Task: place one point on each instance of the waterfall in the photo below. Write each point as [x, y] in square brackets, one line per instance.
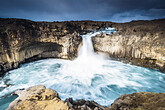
[88, 63]
[87, 47]
[90, 76]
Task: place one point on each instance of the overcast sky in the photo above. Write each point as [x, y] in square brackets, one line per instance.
[99, 10]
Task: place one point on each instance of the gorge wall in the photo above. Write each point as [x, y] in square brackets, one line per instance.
[24, 40]
[139, 42]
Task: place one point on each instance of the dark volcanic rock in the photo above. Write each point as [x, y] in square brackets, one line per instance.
[84, 105]
[139, 42]
[41, 98]
[24, 40]
[140, 101]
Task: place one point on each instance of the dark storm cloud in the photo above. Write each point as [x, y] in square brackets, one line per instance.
[109, 10]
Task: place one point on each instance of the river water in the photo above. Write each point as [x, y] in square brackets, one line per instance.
[90, 76]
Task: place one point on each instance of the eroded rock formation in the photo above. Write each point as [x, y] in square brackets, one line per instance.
[40, 98]
[140, 101]
[24, 40]
[139, 42]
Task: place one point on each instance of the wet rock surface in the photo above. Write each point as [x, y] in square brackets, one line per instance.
[84, 105]
[22, 40]
[138, 42]
[140, 101]
[41, 98]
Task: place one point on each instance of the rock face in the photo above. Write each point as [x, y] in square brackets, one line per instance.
[140, 101]
[140, 42]
[84, 105]
[40, 98]
[24, 40]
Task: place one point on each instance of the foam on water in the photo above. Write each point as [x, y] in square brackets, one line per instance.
[90, 76]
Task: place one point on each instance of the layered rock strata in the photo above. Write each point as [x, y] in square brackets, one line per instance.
[140, 101]
[24, 40]
[139, 42]
[40, 98]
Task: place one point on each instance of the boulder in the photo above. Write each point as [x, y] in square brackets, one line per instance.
[38, 98]
[140, 101]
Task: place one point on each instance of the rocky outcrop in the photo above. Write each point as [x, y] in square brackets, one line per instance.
[24, 40]
[40, 98]
[84, 105]
[140, 101]
[139, 42]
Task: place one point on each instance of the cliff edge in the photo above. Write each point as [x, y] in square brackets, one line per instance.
[23, 40]
[40, 98]
[138, 42]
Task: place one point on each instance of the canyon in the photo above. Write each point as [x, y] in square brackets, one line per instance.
[138, 42]
[23, 40]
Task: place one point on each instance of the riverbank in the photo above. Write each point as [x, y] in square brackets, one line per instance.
[40, 98]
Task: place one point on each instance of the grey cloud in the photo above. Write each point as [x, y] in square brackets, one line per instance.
[102, 10]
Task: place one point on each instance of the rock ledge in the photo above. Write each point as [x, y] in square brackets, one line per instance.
[40, 98]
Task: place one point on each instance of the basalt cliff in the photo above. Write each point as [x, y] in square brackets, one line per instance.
[24, 40]
[138, 42]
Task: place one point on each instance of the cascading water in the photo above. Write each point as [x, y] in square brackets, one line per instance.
[90, 77]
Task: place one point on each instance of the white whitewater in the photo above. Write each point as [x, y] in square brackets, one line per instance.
[87, 64]
[90, 76]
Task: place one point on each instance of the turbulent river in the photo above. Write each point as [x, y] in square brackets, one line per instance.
[90, 76]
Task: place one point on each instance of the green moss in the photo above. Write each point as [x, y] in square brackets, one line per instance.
[73, 56]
